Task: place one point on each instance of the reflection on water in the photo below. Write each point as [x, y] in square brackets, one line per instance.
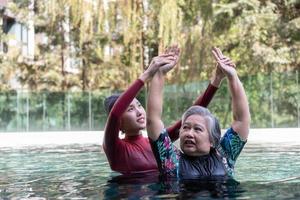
[82, 172]
[152, 186]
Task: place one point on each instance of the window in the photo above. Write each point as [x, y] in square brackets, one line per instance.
[20, 31]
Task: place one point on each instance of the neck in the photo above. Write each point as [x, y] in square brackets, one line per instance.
[130, 134]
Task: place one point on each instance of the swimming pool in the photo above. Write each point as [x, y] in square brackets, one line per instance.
[263, 171]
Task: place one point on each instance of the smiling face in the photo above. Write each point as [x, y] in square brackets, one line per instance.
[194, 136]
[133, 119]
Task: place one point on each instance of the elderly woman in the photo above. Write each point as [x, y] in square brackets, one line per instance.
[203, 152]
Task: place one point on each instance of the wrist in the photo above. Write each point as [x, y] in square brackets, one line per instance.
[232, 77]
[145, 77]
[216, 81]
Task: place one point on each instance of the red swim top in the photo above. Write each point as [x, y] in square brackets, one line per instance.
[134, 154]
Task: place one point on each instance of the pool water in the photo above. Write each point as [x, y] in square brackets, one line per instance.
[268, 171]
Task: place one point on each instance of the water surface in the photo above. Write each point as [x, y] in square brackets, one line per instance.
[268, 171]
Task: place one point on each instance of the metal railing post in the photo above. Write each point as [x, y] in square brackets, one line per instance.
[90, 111]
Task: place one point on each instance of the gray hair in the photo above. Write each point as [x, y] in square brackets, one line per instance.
[212, 122]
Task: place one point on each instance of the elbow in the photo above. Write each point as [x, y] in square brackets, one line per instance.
[248, 122]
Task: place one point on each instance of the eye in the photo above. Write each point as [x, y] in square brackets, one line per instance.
[198, 129]
[185, 127]
[130, 109]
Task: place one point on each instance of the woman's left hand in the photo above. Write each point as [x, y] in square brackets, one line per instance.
[175, 51]
[225, 65]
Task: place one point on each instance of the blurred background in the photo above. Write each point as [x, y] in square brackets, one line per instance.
[59, 59]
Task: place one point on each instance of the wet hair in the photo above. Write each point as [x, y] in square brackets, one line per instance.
[212, 122]
[109, 102]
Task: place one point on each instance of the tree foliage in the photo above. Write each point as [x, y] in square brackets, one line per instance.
[102, 45]
[110, 42]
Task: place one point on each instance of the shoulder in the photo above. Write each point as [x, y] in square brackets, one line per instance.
[164, 135]
[231, 146]
[231, 134]
[163, 142]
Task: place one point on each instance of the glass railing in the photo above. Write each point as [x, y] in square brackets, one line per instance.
[274, 102]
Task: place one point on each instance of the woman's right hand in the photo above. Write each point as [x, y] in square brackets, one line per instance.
[166, 61]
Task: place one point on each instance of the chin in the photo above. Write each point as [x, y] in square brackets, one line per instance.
[188, 151]
[191, 152]
[142, 127]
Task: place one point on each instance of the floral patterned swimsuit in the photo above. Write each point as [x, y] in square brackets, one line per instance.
[219, 162]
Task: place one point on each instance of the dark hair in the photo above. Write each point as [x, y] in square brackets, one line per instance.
[109, 102]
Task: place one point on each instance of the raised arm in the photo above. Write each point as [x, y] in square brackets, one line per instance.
[112, 128]
[154, 106]
[155, 98]
[240, 107]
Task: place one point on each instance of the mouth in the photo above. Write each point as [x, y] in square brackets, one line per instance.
[141, 120]
[189, 143]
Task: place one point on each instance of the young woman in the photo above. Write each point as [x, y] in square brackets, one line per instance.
[133, 154]
[203, 153]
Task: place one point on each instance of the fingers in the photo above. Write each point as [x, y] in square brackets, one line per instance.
[218, 53]
[167, 67]
[163, 59]
[160, 63]
[227, 61]
[215, 55]
[166, 61]
[171, 53]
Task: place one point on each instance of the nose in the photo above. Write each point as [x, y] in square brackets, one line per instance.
[138, 112]
[189, 133]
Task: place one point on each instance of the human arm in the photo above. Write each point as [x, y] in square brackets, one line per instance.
[111, 141]
[154, 106]
[155, 98]
[240, 107]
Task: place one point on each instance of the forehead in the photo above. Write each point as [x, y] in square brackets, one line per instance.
[195, 119]
[134, 102]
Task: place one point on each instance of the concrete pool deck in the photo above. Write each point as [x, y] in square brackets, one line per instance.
[23, 139]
